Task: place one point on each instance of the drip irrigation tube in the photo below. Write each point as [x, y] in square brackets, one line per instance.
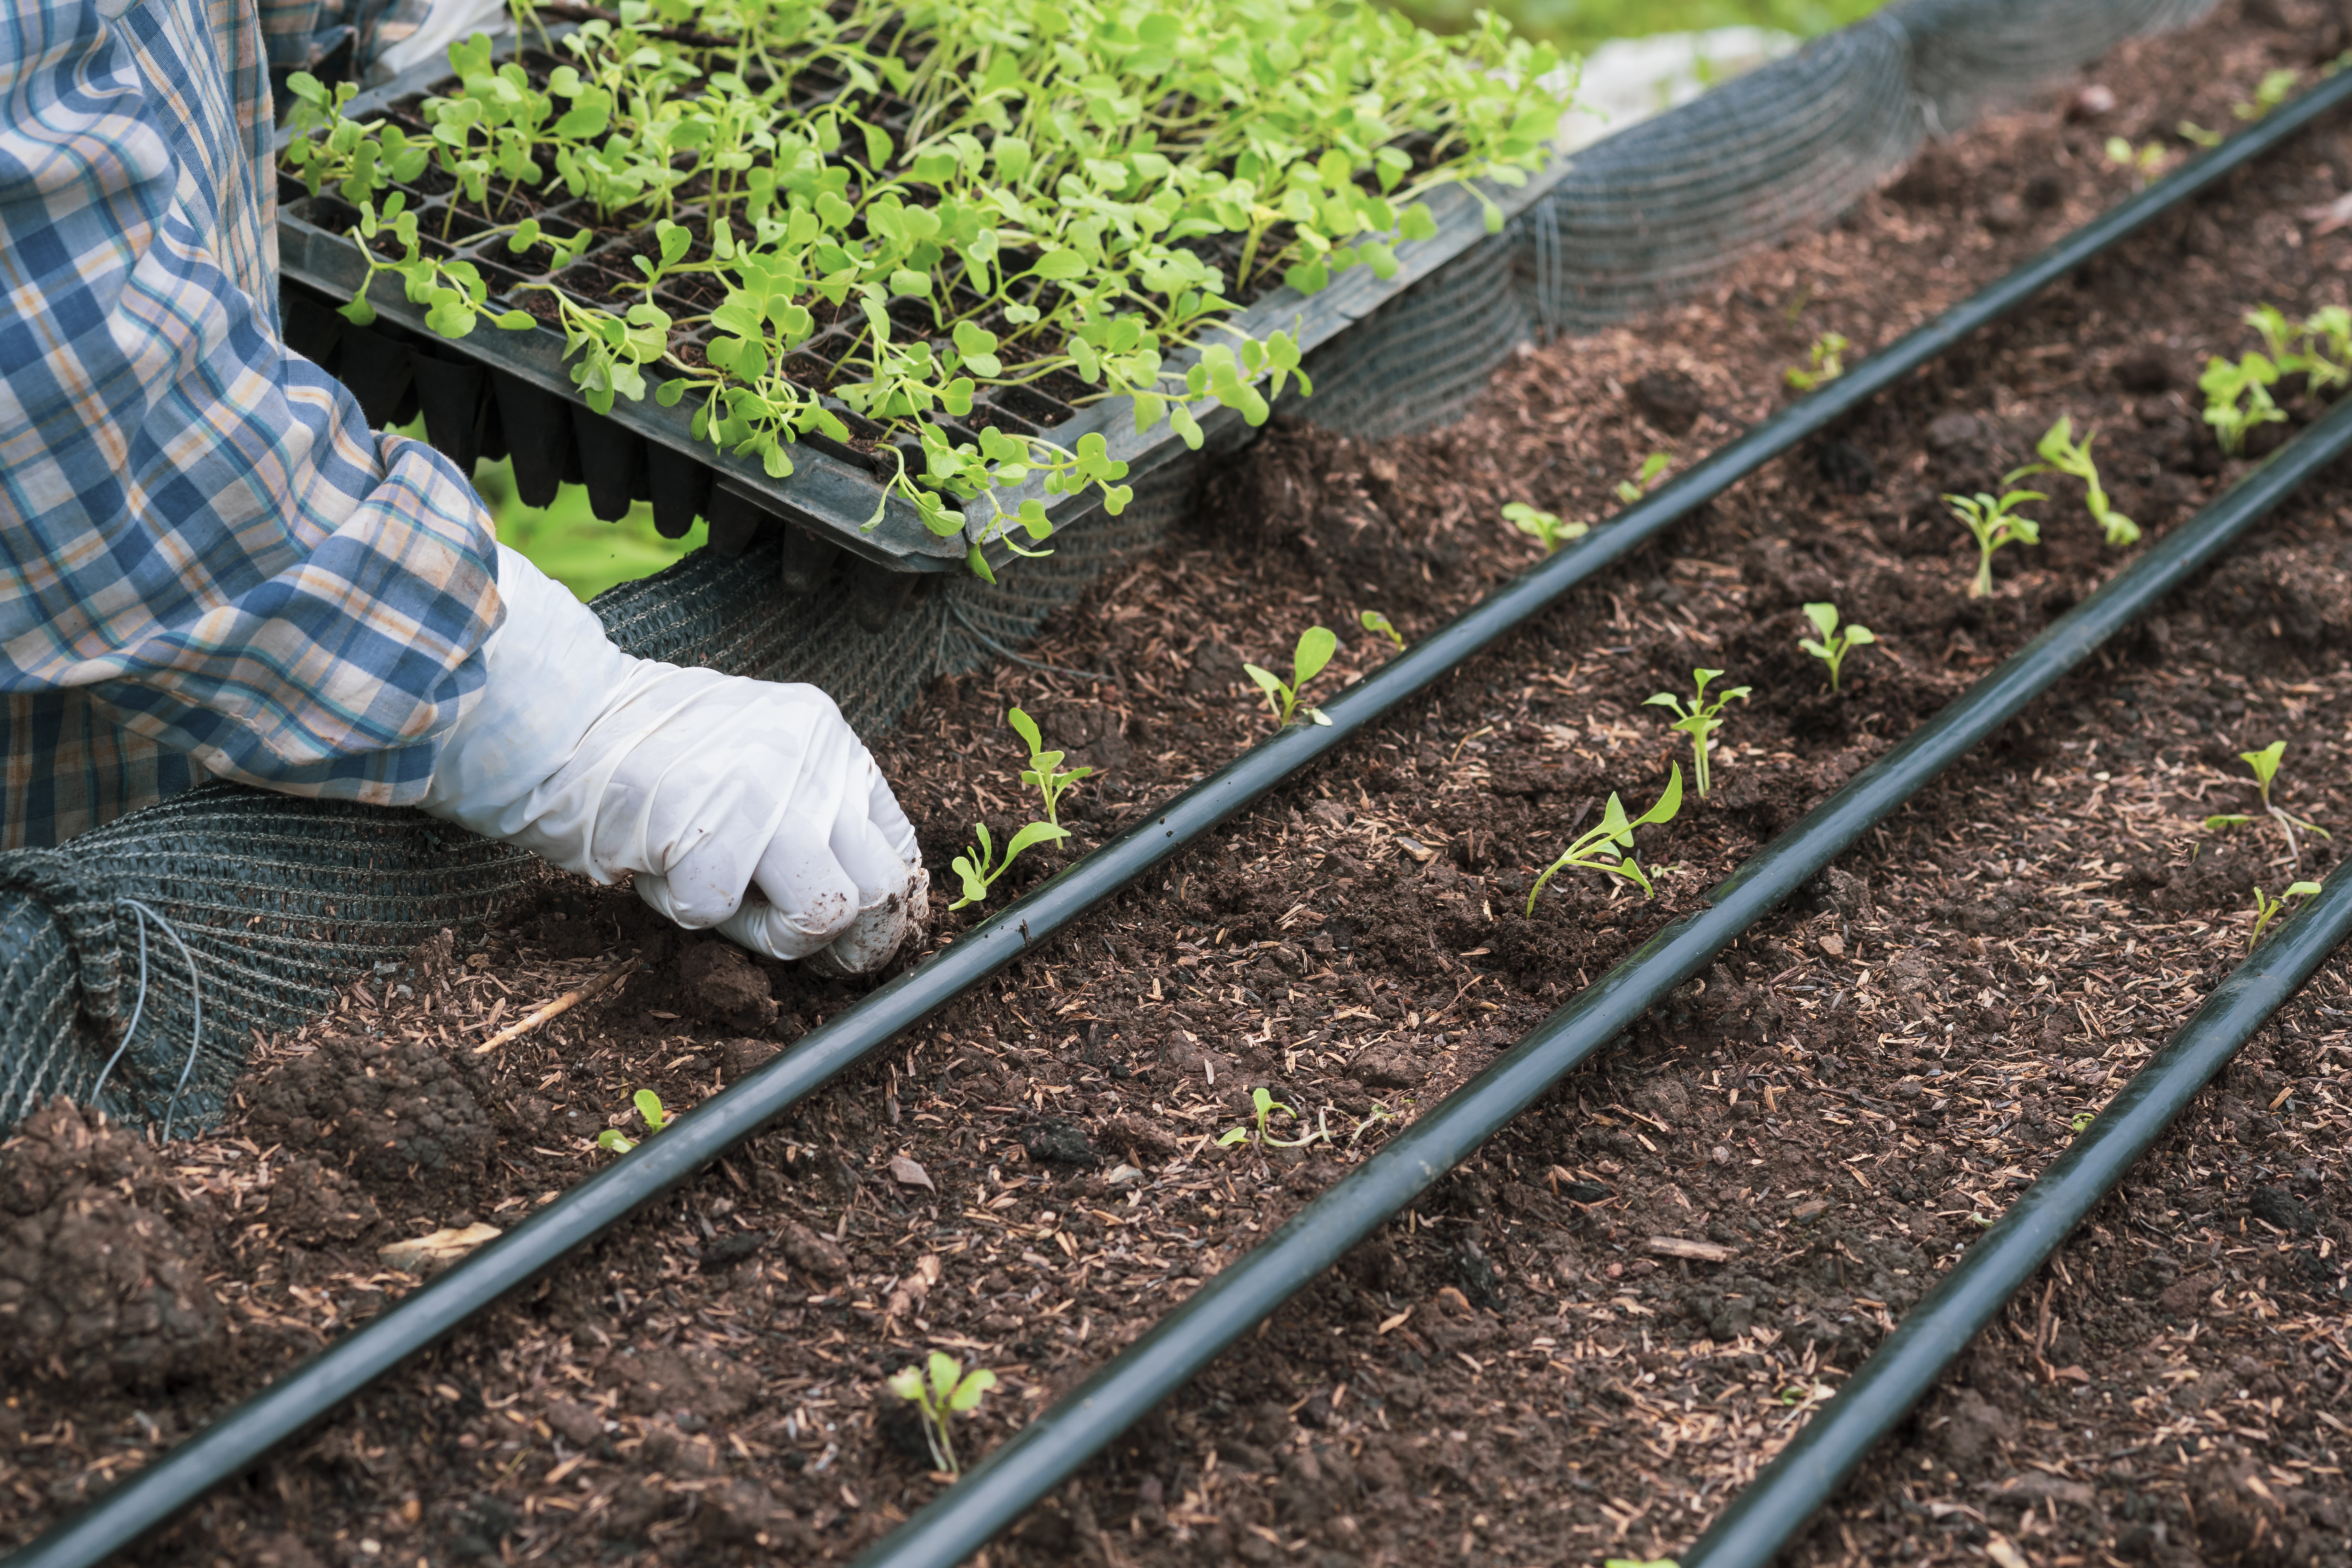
[152, 1497]
[1050, 1447]
[1776, 1504]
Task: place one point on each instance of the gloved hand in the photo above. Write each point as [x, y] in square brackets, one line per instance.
[744, 804]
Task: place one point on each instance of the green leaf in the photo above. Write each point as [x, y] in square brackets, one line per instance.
[1824, 618]
[1032, 835]
[1060, 265]
[1316, 647]
[944, 1372]
[649, 1106]
[877, 147]
[976, 1383]
[1026, 728]
[1669, 803]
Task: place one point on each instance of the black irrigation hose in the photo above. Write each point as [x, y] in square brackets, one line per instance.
[154, 1496]
[1777, 1503]
[1053, 1446]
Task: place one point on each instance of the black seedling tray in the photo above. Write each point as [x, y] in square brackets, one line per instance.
[508, 394]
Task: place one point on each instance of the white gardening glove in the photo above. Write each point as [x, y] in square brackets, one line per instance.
[744, 804]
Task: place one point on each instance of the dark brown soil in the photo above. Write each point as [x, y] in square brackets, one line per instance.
[1522, 1369]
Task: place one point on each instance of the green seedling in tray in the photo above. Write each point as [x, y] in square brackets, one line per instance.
[1993, 522]
[2265, 765]
[1826, 360]
[941, 1390]
[2267, 908]
[1699, 718]
[972, 195]
[650, 1111]
[1316, 647]
[1833, 645]
[1545, 528]
[2062, 453]
[1609, 847]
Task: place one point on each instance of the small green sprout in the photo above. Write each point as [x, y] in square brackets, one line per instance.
[1633, 490]
[1379, 625]
[2266, 908]
[1263, 1105]
[2329, 362]
[1699, 718]
[938, 1391]
[2081, 1120]
[1994, 521]
[1634, 1563]
[1608, 847]
[978, 869]
[1834, 645]
[2062, 453]
[1544, 527]
[1374, 1118]
[2196, 135]
[1044, 773]
[1316, 647]
[649, 1110]
[2146, 161]
[2224, 385]
[2272, 92]
[1827, 357]
[2265, 764]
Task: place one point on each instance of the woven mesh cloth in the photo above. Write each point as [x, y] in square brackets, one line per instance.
[276, 901]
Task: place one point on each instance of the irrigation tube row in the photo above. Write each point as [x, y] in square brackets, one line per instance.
[234, 1444]
[1049, 1449]
[1778, 1502]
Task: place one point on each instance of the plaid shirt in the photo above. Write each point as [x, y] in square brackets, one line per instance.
[208, 564]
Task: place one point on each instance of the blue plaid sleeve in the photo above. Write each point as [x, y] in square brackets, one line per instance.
[205, 553]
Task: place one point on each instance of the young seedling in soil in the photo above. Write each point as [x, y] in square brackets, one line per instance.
[1834, 645]
[2267, 908]
[1699, 718]
[2238, 398]
[940, 1390]
[1827, 359]
[1263, 1105]
[1544, 527]
[1994, 521]
[2196, 135]
[1609, 847]
[2265, 764]
[2272, 92]
[2145, 162]
[1044, 773]
[2062, 453]
[649, 1111]
[1380, 625]
[1633, 490]
[1316, 647]
[978, 869]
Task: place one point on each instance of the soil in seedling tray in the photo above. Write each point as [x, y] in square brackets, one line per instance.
[1583, 1343]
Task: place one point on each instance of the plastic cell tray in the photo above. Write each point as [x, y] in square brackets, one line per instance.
[509, 394]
